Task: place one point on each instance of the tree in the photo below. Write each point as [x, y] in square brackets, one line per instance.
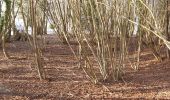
[167, 24]
[5, 27]
[37, 51]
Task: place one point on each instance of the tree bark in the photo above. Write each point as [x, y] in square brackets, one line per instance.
[167, 25]
[37, 51]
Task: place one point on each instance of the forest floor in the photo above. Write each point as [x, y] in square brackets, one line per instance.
[19, 79]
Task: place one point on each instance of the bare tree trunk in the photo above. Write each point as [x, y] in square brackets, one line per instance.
[3, 46]
[13, 18]
[44, 18]
[6, 27]
[0, 7]
[37, 51]
[167, 25]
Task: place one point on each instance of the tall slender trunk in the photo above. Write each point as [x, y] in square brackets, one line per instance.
[37, 54]
[13, 18]
[6, 26]
[167, 25]
[0, 7]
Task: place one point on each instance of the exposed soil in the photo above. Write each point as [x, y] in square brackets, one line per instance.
[19, 79]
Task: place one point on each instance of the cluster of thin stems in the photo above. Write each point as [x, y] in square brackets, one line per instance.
[106, 27]
[103, 30]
